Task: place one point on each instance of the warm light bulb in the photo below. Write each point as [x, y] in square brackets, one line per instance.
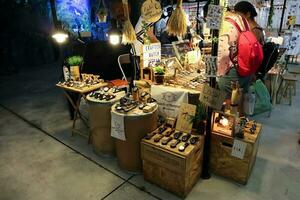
[60, 37]
[114, 39]
[224, 121]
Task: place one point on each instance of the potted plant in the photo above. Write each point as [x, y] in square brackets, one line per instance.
[75, 62]
[199, 120]
[102, 15]
[159, 73]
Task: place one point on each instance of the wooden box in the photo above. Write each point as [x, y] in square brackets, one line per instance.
[171, 169]
[224, 164]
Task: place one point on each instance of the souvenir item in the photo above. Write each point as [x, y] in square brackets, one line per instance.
[173, 145]
[166, 141]
[183, 147]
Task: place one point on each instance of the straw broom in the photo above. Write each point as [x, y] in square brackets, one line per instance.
[129, 35]
[177, 24]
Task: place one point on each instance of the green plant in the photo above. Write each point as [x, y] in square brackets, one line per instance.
[200, 114]
[159, 70]
[75, 61]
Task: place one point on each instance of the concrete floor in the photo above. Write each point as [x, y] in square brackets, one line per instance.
[39, 159]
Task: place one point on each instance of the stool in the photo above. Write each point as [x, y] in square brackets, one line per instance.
[290, 86]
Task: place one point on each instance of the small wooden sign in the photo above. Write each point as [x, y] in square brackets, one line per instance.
[212, 97]
[185, 116]
[151, 11]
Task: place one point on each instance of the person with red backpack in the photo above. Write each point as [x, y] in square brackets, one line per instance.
[240, 53]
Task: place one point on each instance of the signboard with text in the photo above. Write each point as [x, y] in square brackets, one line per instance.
[212, 97]
[151, 54]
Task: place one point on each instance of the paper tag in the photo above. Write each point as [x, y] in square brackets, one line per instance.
[117, 126]
[238, 149]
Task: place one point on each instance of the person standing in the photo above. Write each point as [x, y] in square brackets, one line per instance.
[227, 71]
[247, 10]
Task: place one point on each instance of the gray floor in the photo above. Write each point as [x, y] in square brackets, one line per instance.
[39, 159]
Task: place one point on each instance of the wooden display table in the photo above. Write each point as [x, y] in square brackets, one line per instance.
[100, 124]
[136, 125]
[224, 164]
[170, 168]
[82, 92]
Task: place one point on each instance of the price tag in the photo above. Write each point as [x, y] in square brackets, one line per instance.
[238, 149]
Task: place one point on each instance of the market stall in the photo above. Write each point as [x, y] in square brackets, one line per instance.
[172, 120]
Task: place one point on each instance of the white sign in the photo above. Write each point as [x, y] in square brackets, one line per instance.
[238, 149]
[169, 99]
[293, 47]
[151, 54]
[214, 16]
[117, 126]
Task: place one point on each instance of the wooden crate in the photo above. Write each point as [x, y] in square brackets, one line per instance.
[226, 165]
[171, 169]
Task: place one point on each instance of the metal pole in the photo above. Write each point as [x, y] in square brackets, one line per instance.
[282, 16]
[198, 27]
[212, 83]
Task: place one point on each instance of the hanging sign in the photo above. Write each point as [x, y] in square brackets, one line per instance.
[214, 16]
[151, 11]
[151, 54]
[212, 97]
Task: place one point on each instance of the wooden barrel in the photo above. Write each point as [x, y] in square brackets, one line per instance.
[100, 125]
[136, 127]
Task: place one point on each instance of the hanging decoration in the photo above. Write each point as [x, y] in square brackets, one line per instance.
[177, 24]
[129, 35]
[102, 12]
[151, 11]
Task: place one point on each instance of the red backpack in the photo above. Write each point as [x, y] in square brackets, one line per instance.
[250, 52]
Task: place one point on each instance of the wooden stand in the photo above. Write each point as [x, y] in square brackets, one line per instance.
[82, 92]
[171, 169]
[224, 164]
